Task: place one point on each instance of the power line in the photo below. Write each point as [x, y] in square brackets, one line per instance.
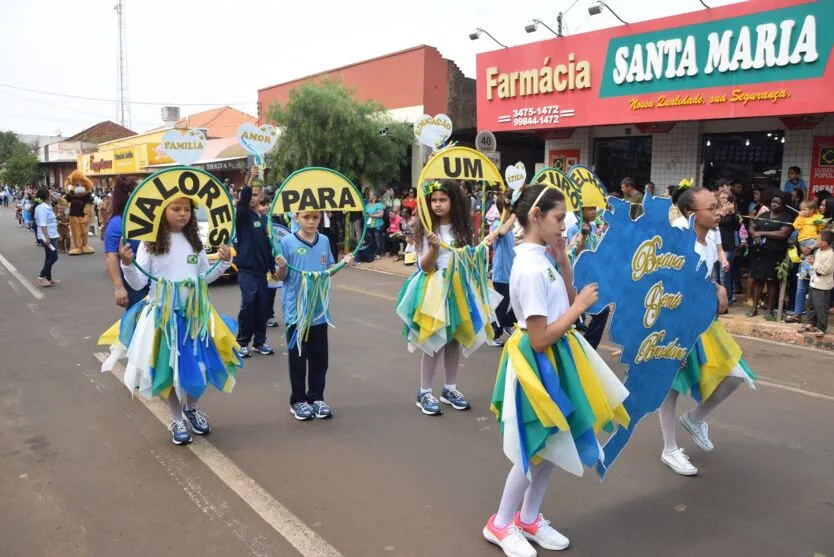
[117, 100]
[62, 107]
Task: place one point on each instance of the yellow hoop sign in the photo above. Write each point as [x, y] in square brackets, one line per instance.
[557, 179]
[460, 163]
[591, 190]
[146, 207]
[317, 189]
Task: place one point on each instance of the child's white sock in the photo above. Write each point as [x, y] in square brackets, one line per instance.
[451, 387]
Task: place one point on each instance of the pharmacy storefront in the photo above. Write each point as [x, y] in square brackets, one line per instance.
[743, 92]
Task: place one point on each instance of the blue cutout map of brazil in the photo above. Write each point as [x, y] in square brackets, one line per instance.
[662, 301]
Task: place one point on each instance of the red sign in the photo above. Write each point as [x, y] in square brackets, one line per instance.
[822, 166]
[563, 159]
[750, 59]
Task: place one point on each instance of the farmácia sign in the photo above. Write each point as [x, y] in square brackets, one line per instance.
[779, 45]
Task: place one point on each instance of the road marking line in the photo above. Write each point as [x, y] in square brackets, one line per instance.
[21, 279]
[796, 390]
[366, 292]
[307, 542]
[14, 286]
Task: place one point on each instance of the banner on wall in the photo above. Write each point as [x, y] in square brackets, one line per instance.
[662, 302]
[562, 159]
[822, 166]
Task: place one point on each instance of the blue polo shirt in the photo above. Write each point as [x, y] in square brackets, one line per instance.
[304, 256]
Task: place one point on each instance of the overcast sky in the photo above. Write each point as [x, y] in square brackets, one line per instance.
[186, 52]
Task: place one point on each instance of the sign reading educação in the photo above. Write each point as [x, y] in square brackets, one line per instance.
[146, 207]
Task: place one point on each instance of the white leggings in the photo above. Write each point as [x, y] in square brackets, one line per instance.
[521, 491]
[175, 406]
[699, 413]
[451, 361]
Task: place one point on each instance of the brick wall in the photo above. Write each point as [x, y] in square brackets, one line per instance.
[461, 98]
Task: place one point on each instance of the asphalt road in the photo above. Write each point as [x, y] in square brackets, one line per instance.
[87, 471]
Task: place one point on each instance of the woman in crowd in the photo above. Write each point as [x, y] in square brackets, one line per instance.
[769, 234]
[124, 294]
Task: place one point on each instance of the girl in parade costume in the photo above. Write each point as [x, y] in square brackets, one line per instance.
[714, 368]
[445, 303]
[553, 393]
[175, 342]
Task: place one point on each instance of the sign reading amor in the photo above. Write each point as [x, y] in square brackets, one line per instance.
[662, 302]
[754, 58]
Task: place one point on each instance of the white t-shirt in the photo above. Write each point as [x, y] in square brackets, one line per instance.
[536, 288]
[445, 233]
[708, 252]
[181, 262]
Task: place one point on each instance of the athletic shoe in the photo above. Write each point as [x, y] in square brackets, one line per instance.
[428, 404]
[179, 433]
[698, 430]
[510, 539]
[197, 420]
[678, 461]
[321, 410]
[497, 342]
[271, 322]
[455, 399]
[244, 352]
[264, 349]
[302, 411]
[542, 533]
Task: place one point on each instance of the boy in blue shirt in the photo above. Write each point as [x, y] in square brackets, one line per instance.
[306, 250]
[254, 261]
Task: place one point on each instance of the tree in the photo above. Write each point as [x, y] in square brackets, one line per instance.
[18, 161]
[323, 125]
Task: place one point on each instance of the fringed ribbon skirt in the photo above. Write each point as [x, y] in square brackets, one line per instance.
[551, 405]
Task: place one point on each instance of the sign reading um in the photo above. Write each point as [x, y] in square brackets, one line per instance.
[460, 163]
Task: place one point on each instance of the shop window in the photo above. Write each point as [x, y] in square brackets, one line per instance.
[755, 159]
[621, 157]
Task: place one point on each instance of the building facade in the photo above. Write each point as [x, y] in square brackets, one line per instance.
[738, 92]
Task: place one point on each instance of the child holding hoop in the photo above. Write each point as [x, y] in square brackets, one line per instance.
[306, 313]
[175, 343]
[553, 393]
[448, 293]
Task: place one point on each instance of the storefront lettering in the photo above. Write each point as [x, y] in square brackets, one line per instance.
[96, 166]
[123, 155]
[539, 81]
[769, 45]
[737, 95]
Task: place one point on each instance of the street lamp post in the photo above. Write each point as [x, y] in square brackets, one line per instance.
[597, 8]
[533, 26]
[476, 34]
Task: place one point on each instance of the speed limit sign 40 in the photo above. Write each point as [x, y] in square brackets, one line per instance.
[485, 142]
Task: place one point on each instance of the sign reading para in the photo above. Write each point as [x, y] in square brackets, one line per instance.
[557, 179]
[663, 301]
[460, 163]
[146, 207]
[317, 189]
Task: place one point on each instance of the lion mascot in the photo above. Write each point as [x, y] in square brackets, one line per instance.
[80, 201]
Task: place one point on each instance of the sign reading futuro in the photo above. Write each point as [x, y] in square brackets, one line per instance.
[662, 301]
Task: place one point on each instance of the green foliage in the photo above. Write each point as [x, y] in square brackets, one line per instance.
[18, 163]
[323, 125]
[782, 270]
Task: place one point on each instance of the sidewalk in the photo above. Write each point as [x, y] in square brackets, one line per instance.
[735, 321]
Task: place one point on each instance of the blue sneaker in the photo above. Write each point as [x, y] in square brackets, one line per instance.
[197, 420]
[244, 352]
[321, 410]
[179, 433]
[455, 399]
[428, 404]
[302, 411]
[264, 349]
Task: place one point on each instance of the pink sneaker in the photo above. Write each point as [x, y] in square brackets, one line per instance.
[509, 538]
[542, 533]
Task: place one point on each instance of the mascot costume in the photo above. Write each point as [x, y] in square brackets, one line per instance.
[80, 202]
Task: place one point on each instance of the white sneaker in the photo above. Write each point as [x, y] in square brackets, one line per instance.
[678, 461]
[510, 539]
[541, 532]
[698, 430]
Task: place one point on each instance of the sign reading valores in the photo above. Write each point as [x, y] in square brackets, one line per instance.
[146, 207]
[317, 189]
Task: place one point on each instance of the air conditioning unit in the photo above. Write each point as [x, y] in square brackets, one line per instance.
[170, 113]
